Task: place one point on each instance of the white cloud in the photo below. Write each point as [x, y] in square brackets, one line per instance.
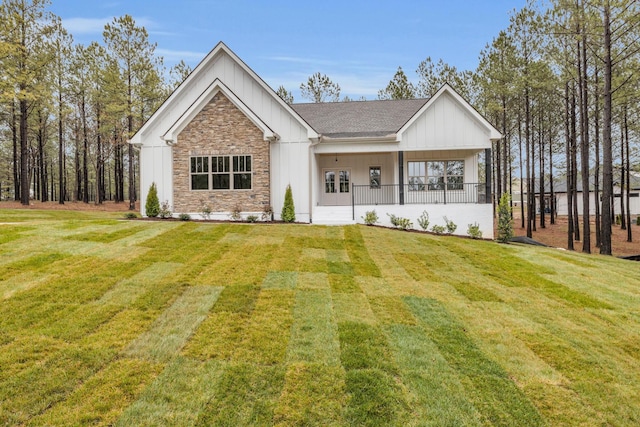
[84, 26]
[177, 55]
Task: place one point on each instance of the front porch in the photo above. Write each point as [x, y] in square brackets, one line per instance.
[463, 204]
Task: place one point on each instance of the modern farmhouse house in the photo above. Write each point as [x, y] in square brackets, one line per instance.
[224, 138]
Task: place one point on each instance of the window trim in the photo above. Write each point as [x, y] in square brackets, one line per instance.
[423, 181]
[379, 185]
[228, 164]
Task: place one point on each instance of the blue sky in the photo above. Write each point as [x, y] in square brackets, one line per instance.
[358, 44]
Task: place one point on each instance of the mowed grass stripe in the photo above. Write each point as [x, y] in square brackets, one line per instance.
[359, 256]
[376, 394]
[490, 389]
[172, 329]
[438, 395]
[314, 334]
[49, 381]
[314, 394]
[176, 397]
[101, 399]
[127, 291]
[246, 395]
[268, 328]
[224, 329]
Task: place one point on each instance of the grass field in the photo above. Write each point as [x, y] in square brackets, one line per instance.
[111, 322]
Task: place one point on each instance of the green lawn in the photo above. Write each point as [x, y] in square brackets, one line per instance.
[105, 321]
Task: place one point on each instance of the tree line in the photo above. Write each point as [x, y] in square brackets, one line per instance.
[67, 109]
[562, 84]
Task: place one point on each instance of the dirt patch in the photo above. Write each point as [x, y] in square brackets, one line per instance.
[71, 206]
[556, 235]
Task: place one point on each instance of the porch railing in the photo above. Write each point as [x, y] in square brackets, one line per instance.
[422, 194]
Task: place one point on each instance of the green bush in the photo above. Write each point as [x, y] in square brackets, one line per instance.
[252, 218]
[473, 231]
[399, 222]
[205, 210]
[638, 220]
[131, 215]
[152, 206]
[438, 229]
[185, 217]
[288, 209]
[165, 210]
[236, 213]
[267, 213]
[423, 221]
[505, 225]
[450, 225]
[370, 217]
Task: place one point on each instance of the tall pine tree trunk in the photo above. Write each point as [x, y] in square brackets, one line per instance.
[567, 125]
[24, 152]
[607, 155]
[584, 144]
[16, 157]
[596, 174]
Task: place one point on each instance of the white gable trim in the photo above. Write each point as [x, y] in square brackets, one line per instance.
[186, 84]
[171, 135]
[494, 134]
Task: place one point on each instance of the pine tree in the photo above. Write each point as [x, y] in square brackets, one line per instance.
[152, 206]
[288, 209]
[505, 226]
[398, 88]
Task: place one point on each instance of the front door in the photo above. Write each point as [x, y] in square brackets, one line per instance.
[337, 187]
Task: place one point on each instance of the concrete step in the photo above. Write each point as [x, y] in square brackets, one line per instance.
[333, 215]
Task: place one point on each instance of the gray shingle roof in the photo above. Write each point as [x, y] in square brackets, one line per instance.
[359, 118]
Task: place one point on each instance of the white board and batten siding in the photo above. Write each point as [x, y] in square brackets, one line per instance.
[445, 124]
[290, 163]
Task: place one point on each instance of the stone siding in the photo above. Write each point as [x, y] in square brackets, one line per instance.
[221, 129]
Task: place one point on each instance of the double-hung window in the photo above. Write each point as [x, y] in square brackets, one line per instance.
[220, 175]
[200, 173]
[221, 172]
[242, 172]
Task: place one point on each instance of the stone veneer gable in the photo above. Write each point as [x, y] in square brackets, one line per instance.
[220, 128]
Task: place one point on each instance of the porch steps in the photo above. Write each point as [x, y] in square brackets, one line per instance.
[333, 215]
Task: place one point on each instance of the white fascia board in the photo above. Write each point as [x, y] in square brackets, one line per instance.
[311, 133]
[187, 83]
[494, 134]
[360, 145]
[214, 88]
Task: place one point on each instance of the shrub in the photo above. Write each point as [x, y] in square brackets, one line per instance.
[152, 206]
[638, 220]
[288, 209]
[185, 217]
[451, 226]
[370, 217]
[438, 229]
[131, 215]
[205, 209]
[267, 213]
[165, 210]
[505, 225]
[399, 222]
[252, 218]
[423, 221]
[473, 231]
[236, 213]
